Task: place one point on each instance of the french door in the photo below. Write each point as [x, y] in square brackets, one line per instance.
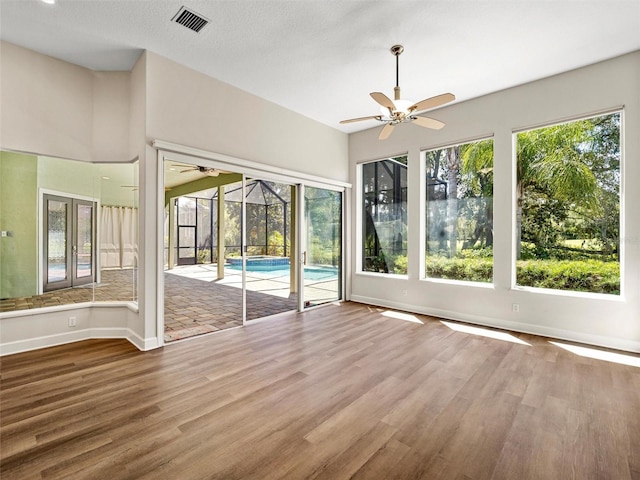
[69, 238]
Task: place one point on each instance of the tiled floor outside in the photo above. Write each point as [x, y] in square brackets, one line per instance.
[195, 301]
[115, 285]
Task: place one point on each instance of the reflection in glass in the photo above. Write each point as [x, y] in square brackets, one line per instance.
[459, 223]
[56, 241]
[384, 219]
[84, 241]
[88, 254]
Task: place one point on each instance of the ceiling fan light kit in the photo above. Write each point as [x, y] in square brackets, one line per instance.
[402, 110]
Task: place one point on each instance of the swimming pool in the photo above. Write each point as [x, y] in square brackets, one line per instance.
[259, 261]
[280, 270]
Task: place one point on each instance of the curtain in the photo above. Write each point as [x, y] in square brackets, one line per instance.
[118, 237]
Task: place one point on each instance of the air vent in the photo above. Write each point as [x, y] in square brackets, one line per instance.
[190, 19]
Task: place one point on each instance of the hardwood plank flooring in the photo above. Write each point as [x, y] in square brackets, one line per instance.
[337, 392]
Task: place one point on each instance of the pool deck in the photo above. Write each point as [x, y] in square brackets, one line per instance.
[197, 302]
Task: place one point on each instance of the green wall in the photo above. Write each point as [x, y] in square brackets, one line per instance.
[68, 176]
[18, 207]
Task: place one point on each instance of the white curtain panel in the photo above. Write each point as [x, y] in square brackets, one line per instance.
[129, 237]
[118, 237]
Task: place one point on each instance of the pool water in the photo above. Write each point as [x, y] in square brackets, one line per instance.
[310, 273]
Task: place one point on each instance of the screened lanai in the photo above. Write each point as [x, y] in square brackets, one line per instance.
[203, 261]
[202, 235]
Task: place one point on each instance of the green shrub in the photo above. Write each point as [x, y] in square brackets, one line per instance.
[399, 264]
[593, 276]
[467, 269]
[486, 252]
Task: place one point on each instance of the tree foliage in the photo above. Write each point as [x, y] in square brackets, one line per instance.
[568, 178]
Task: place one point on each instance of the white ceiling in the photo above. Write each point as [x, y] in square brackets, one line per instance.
[321, 58]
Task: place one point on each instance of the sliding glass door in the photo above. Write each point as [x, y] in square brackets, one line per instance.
[242, 246]
[322, 247]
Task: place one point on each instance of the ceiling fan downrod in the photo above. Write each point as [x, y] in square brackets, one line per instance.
[397, 50]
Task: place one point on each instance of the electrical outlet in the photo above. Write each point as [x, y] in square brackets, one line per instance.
[72, 321]
[515, 307]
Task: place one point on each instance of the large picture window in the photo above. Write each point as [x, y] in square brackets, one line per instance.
[459, 210]
[568, 206]
[384, 216]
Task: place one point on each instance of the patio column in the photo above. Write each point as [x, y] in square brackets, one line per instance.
[220, 232]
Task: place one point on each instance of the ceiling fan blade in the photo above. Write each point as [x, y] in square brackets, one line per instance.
[432, 102]
[213, 173]
[383, 100]
[360, 119]
[188, 170]
[386, 131]
[428, 122]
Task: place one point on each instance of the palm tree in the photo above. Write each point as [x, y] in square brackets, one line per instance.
[550, 160]
[477, 166]
[453, 167]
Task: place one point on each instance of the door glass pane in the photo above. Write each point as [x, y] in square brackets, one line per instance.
[56, 241]
[323, 268]
[84, 241]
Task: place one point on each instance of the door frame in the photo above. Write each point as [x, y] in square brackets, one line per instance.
[41, 264]
[168, 151]
[303, 243]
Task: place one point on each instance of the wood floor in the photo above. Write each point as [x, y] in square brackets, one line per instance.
[338, 392]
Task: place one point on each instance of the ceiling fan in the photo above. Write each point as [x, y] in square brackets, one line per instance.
[209, 171]
[402, 110]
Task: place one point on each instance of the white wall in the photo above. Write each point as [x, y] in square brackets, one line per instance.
[602, 320]
[111, 118]
[189, 108]
[53, 108]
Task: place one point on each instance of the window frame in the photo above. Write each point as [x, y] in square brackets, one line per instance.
[423, 215]
[360, 213]
[620, 110]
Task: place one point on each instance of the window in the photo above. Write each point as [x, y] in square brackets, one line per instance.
[384, 216]
[568, 206]
[459, 211]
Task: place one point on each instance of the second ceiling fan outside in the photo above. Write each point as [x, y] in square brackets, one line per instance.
[401, 110]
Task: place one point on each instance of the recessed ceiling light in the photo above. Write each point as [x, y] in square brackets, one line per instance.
[104, 178]
[50, 2]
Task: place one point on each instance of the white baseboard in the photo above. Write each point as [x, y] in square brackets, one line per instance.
[36, 343]
[544, 331]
